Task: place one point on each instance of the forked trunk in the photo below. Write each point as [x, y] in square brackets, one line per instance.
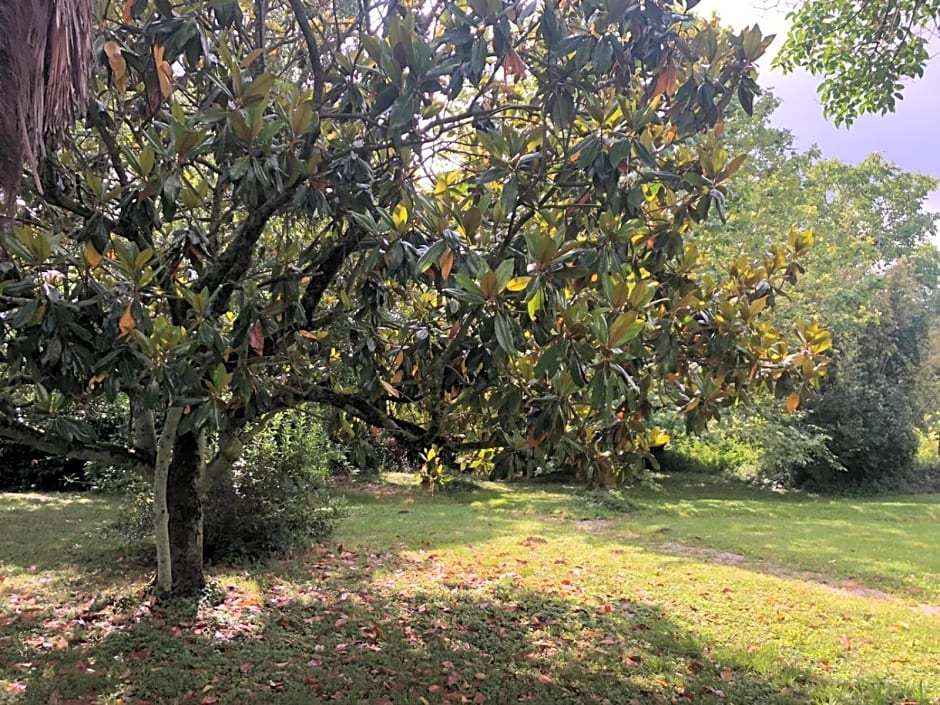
[184, 505]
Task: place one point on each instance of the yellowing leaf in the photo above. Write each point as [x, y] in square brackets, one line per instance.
[127, 322]
[92, 256]
[757, 306]
[518, 283]
[471, 220]
[400, 215]
[793, 401]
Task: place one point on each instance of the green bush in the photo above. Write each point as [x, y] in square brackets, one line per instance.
[870, 424]
[761, 443]
[279, 497]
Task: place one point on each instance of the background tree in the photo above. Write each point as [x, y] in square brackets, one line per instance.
[874, 286]
[464, 224]
[863, 50]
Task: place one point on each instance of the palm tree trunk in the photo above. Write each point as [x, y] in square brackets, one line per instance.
[45, 56]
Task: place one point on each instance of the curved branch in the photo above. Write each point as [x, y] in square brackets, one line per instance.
[313, 50]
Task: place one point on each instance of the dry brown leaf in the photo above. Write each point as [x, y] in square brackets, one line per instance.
[447, 263]
[127, 322]
[665, 81]
[513, 64]
[117, 63]
[164, 71]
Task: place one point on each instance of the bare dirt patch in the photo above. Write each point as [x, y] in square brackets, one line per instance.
[594, 526]
[710, 554]
[844, 587]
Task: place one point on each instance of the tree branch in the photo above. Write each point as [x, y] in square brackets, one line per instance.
[326, 269]
[313, 50]
[364, 410]
[100, 453]
[231, 266]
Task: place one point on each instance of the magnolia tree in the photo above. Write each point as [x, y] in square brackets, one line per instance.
[468, 224]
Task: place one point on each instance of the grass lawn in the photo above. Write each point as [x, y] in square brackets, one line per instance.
[703, 593]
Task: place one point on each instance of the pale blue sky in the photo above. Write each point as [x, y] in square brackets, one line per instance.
[907, 137]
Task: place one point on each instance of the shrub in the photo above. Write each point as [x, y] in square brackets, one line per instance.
[760, 443]
[279, 496]
[870, 424]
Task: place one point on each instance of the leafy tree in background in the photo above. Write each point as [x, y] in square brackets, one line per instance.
[863, 50]
[874, 285]
[462, 223]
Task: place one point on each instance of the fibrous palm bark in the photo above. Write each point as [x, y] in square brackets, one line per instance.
[45, 51]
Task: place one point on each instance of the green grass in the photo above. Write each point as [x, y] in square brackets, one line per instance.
[704, 594]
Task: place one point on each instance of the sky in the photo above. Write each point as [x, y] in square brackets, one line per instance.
[907, 137]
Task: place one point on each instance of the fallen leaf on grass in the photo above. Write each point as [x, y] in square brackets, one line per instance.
[15, 688]
[246, 667]
[632, 660]
[315, 684]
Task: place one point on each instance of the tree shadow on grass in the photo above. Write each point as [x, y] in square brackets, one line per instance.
[351, 632]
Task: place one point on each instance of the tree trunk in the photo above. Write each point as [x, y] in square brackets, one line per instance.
[184, 504]
[161, 513]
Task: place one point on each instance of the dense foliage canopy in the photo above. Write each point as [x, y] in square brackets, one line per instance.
[464, 223]
[874, 286]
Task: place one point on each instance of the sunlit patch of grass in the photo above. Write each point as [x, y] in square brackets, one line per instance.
[506, 594]
[885, 543]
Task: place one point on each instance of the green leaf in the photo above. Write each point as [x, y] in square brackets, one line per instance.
[509, 195]
[624, 329]
[502, 327]
[534, 304]
[403, 110]
[504, 274]
[430, 257]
